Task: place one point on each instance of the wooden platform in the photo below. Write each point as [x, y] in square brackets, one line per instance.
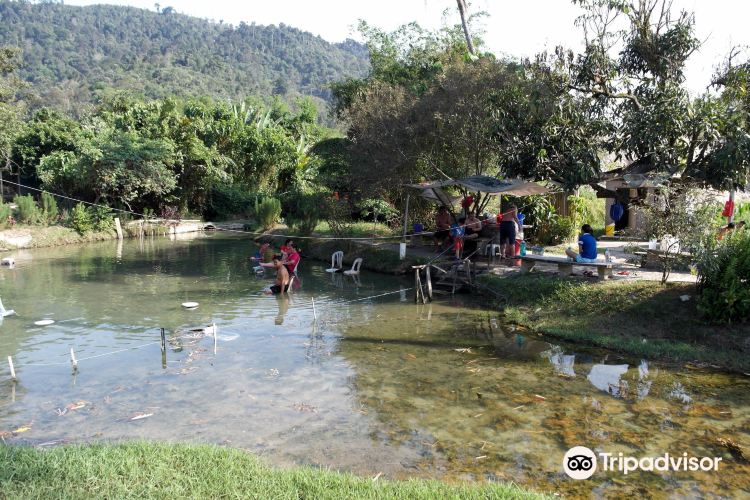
[565, 265]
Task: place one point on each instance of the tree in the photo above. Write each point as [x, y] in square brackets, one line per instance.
[47, 132]
[656, 128]
[9, 111]
[682, 218]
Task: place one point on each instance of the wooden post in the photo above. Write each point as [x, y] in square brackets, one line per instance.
[12, 370]
[118, 228]
[406, 217]
[215, 338]
[428, 278]
[315, 315]
[163, 341]
[730, 219]
[73, 360]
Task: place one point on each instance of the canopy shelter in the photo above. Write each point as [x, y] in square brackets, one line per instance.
[489, 186]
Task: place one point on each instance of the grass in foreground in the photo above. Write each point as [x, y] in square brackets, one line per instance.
[640, 318]
[147, 470]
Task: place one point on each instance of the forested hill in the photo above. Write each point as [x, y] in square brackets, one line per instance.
[72, 53]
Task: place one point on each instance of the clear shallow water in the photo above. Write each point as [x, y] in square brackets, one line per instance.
[379, 386]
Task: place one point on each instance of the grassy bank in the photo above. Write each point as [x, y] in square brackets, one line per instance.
[639, 318]
[148, 470]
[48, 236]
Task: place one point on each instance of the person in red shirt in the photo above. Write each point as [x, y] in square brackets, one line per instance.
[292, 257]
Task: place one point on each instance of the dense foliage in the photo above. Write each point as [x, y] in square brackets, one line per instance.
[72, 55]
[724, 279]
[619, 108]
[136, 154]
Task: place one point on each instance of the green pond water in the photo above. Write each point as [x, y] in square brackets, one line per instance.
[380, 386]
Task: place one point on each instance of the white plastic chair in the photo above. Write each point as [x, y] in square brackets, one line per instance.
[296, 268]
[337, 262]
[354, 271]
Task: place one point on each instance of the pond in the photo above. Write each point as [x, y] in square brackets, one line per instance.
[378, 385]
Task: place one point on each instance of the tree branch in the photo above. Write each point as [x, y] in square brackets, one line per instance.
[597, 92]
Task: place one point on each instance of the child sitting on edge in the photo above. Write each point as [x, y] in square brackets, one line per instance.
[586, 246]
[457, 233]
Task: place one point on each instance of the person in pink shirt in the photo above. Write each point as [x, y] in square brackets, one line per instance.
[292, 257]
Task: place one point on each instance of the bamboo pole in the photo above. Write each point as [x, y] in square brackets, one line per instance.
[73, 360]
[12, 369]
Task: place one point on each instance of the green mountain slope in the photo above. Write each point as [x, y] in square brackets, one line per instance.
[70, 54]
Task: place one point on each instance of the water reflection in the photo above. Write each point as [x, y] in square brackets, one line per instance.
[607, 378]
[563, 363]
[283, 302]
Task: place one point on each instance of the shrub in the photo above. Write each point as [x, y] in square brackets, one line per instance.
[587, 209]
[101, 218]
[28, 211]
[303, 211]
[372, 208]
[227, 201]
[5, 214]
[339, 216]
[683, 217]
[49, 208]
[724, 278]
[268, 212]
[555, 229]
[81, 219]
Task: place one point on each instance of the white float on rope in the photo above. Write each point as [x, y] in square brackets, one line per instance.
[44, 322]
[189, 305]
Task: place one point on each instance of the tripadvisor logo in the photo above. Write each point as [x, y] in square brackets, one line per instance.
[581, 463]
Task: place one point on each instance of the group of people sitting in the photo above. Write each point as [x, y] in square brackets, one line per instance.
[462, 235]
[285, 263]
[724, 231]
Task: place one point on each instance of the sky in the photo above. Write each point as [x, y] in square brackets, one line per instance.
[514, 27]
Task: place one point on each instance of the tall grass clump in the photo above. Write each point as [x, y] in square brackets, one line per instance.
[28, 210]
[5, 213]
[268, 212]
[81, 219]
[304, 212]
[49, 210]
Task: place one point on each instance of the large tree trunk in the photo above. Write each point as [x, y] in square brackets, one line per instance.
[462, 9]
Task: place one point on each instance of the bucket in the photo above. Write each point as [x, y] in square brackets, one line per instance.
[418, 228]
[609, 230]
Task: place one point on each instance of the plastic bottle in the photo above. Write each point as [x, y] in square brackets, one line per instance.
[607, 256]
[523, 248]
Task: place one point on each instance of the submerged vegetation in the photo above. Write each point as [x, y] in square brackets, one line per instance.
[146, 470]
[638, 318]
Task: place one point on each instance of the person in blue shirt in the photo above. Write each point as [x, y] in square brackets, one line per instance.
[586, 246]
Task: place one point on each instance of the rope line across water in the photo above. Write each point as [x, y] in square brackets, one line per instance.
[255, 233]
[234, 325]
